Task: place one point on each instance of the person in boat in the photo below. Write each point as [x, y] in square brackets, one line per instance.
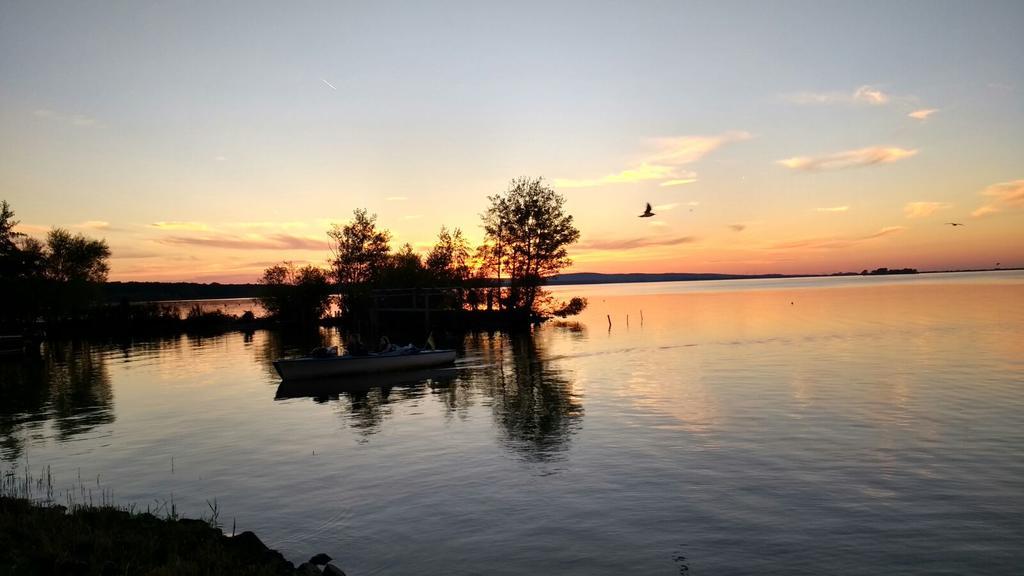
[321, 352]
[354, 346]
[386, 345]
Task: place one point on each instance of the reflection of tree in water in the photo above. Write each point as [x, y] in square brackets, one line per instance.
[532, 400]
[69, 385]
[368, 409]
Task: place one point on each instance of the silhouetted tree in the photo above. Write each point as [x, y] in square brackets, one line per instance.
[448, 260]
[74, 266]
[360, 253]
[8, 236]
[58, 278]
[295, 294]
[359, 248]
[403, 269]
[75, 258]
[527, 234]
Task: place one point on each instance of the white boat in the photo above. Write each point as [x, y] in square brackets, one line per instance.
[316, 367]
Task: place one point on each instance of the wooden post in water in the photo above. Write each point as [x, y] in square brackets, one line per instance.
[609, 322]
[627, 321]
[641, 317]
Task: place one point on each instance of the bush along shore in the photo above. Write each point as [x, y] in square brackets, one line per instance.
[37, 536]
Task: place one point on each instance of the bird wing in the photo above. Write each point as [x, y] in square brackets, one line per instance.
[648, 207]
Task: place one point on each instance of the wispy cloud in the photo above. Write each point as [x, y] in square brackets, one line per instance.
[396, 198]
[73, 119]
[689, 149]
[249, 242]
[678, 181]
[94, 225]
[924, 209]
[923, 114]
[870, 95]
[865, 94]
[666, 207]
[848, 159]
[738, 227]
[832, 209]
[633, 243]
[180, 225]
[640, 173]
[265, 225]
[663, 163]
[836, 243]
[1003, 196]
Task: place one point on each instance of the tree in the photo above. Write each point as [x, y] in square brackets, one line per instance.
[448, 260]
[359, 249]
[75, 258]
[402, 269]
[528, 233]
[295, 294]
[8, 237]
[73, 267]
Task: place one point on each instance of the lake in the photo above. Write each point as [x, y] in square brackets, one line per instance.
[854, 425]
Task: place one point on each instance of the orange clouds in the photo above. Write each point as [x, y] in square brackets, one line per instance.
[1003, 196]
[848, 159]
[176, 225]
[250, 242]
[836, 243]
[632, 243]
[924, 209]
[923, 114]
[664, 163]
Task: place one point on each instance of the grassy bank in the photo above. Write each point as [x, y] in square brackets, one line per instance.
[37, 536]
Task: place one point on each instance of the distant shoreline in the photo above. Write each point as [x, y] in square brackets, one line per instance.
[188, 291]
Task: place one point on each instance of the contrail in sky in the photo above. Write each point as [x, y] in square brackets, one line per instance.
[328, 83]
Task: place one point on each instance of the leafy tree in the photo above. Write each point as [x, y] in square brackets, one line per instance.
[8, 237]
[359, 249]
[448, 260]
[295, 294]
[403, 269]
[73, 267]
[75, 258]
[528, 233]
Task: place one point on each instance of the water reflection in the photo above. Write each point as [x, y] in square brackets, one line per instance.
[531, 399]
[68, 386]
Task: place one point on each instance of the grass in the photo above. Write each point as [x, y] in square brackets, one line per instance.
[90, 535]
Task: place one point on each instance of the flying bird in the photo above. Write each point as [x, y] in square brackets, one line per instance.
[954, 224]
[647, 213]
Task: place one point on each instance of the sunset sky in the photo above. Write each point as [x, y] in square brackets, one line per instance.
[206, 141]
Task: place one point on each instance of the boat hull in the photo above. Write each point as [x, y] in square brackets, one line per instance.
[305, 368]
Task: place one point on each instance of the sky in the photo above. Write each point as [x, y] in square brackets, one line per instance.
[206, 141]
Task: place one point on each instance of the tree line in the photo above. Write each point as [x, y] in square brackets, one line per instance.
[52, 279]
[526, 238]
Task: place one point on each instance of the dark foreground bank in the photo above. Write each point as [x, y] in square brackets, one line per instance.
[45, 539]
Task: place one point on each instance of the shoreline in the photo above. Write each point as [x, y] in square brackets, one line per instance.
[46, 538]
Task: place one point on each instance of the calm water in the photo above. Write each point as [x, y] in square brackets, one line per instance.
[814, 426]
